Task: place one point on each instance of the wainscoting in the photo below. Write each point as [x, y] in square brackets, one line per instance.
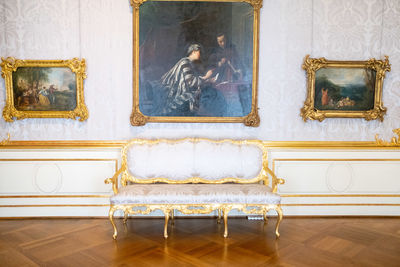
[339, 182]
[322, 178]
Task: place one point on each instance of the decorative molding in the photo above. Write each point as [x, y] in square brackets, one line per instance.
[5, 141]
[271, 145]
[395, 141]
[340, 204]
[137, 3]
[340, 195]
[137, 118]
[253, 119]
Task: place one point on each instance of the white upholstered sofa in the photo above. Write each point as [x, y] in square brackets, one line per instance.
[194, 176]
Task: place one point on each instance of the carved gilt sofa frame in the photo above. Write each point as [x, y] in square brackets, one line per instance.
[127, 179]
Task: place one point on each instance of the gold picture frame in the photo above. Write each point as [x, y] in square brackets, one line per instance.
[156, 51]
[44, 89]
[344, 89]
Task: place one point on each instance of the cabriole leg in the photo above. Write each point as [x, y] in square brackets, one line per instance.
[125, 215]
[280, 215]
[265, 216]
[111, 216]
[172, 217]
[166, 213]
[219, 216]
[225, 223]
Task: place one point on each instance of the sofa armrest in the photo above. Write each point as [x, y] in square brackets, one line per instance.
[114, 180]
[275, 180]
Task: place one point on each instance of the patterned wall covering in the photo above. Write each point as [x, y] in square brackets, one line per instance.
[100, 31]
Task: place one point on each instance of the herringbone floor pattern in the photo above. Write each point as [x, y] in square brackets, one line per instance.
[199, 242]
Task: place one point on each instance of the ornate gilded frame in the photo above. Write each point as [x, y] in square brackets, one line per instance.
[77, 66]
[312, 65]
[252, 119]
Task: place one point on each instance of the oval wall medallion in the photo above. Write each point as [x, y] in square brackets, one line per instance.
[339, 177]
[48, 178]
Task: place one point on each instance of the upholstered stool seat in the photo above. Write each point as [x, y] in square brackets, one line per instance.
[195, 194]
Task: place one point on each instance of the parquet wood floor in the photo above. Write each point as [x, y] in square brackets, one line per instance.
[199, 242]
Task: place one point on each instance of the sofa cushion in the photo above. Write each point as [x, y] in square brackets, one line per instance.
[195, 194]
[186, 159]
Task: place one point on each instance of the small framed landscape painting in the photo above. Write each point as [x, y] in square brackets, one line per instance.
[347, 89]
[44, 89]
[195, 61]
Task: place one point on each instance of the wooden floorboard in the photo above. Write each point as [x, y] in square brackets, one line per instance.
[199, 242]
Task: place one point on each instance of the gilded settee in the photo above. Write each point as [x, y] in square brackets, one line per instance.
[194, 176]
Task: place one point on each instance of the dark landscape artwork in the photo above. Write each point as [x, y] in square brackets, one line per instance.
[345, 89]
[44, 89]
[195, 59]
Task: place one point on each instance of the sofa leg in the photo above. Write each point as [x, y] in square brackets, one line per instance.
[166, 213]
[111, 216]
[125, 216]
[265, 217]
[172, 217]
[225, 224]
[219, 216]
[280, 215]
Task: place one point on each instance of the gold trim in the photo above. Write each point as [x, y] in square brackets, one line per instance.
[340, 195]
[395, 141]
[324, 145]
[10, 65]
[54, 205]
[44, 144]
[333, 159]
[5, 141]
[252, 119]
[55, 196]
[270, 145]
[311, 65]
[341, 204]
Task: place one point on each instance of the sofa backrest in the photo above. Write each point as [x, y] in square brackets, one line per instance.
[194, 160]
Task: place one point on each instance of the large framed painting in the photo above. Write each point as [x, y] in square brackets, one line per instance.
[344, 89]
[44, 88]
[195, 61]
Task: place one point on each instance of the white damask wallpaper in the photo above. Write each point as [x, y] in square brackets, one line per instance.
[101, 32]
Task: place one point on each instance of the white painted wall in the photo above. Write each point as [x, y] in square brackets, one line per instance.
[101, 32]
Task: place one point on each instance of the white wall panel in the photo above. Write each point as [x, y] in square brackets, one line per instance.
[55, 177]
[338, 182]
[339, 177]
[56, 182]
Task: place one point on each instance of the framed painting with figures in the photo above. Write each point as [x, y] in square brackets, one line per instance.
[44, 88]
[344, 89]
[195, 61]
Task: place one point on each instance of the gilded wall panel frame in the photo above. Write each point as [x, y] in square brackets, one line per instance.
[171, 83]
[344, 89]
[44, 89]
